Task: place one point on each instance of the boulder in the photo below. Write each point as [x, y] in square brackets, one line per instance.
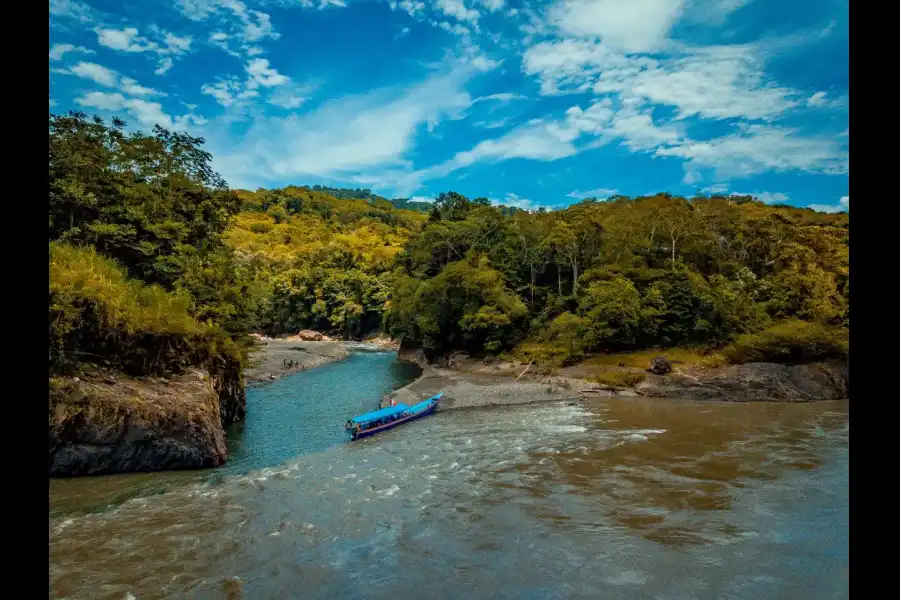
[660, 365]
[307, 335]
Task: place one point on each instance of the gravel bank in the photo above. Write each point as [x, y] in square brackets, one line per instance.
[267, 361]
[464, 390]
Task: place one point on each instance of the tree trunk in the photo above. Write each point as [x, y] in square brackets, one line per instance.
[559, 279]
[574, 276]
[532, 285]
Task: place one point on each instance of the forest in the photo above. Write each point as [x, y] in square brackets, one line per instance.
[155, 263]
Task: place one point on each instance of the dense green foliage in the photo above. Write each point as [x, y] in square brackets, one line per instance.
[140, 226]
[140, 276]
[319, 262]
[617, 275]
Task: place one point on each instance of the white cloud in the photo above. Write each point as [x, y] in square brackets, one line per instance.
[595, 193]
[71, 9]
[842, 205]
[691, 177]
[712, 12]
[225, 91]
[126, 40]
[164, 65]
[537, 141]
[817, 99]
[501, 97]
[102, 100]
[57, 51]
[175, 44]
[133, 88]
[146, 113]
[757, 149]
[289, 96]
[716, 189]
[428, 199]
[96, 73]
[362, 138]
[717, 82]
[517, 201]
[262, 74]
[493, 5]
[492, 124]
[411, 7]
[458, 10]
[246, 26]
[821, 100]
[631, 25]
[765, 197]
[456, 28]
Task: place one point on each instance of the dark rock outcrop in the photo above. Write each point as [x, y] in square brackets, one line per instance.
[101, 425]
[753, 382]
[660, 365]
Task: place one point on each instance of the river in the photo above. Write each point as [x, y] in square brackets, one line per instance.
[629, 498]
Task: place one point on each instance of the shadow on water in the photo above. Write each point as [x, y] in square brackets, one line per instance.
[304, 412]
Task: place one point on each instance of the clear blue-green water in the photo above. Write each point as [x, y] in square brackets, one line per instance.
[629, 498]
[306, 412]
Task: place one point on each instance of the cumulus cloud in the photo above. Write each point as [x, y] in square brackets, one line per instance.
[96, 73]
[457, 9]
[126, 40]
[413, 8]
[146, 113]
[74, 10]
[57, 51]
[718, 82]
[632, 26]
[842, 205]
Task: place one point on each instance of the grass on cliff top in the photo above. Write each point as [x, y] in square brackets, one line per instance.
[98, 314]
[80, 276]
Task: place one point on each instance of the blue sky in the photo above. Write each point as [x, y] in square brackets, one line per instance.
[527, 103]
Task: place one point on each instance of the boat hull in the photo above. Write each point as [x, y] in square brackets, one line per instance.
[357, 435]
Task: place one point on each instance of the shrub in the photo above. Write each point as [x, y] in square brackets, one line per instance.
[790, 342]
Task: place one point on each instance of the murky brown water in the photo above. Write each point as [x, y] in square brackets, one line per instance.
[613, 499]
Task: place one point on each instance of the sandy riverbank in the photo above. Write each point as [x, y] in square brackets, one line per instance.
[271, 358]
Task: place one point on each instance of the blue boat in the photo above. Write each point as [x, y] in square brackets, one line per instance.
[389, 417]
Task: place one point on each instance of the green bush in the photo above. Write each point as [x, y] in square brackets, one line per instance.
[790, 342]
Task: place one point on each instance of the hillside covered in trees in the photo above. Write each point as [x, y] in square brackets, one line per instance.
[155, 263]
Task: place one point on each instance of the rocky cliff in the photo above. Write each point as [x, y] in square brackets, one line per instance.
[753, 382]
[107, 423]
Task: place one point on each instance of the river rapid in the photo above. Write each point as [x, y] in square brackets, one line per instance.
[610, 498]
